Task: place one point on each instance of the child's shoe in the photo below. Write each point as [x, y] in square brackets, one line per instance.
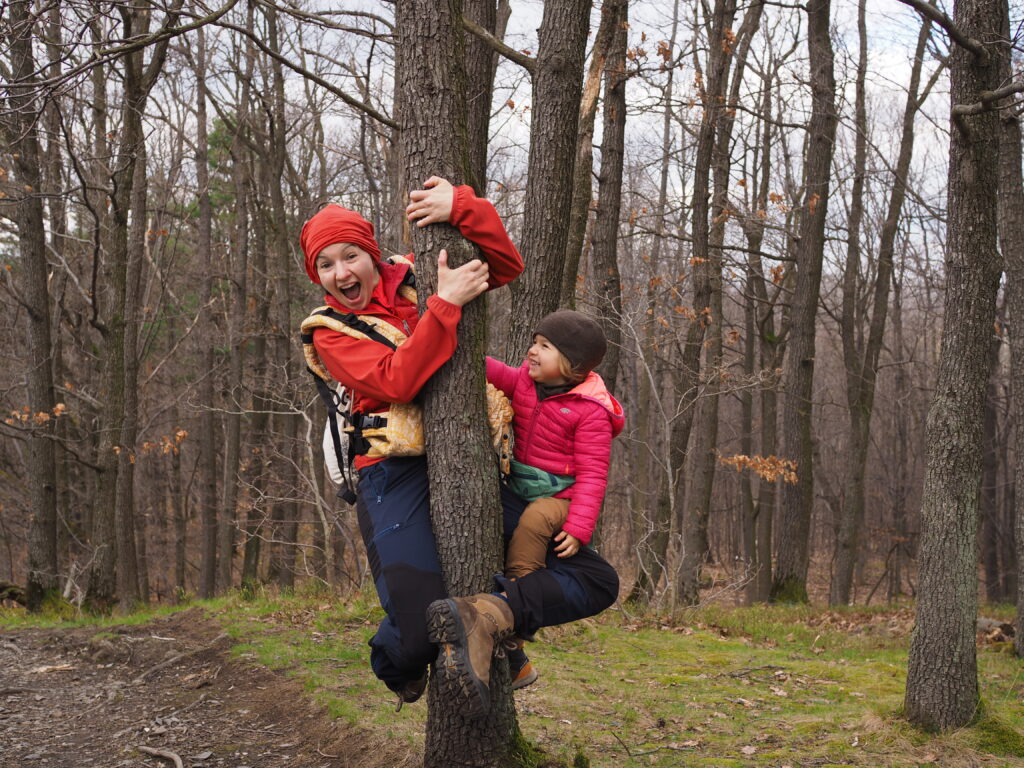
[519, 665]
[467, 630]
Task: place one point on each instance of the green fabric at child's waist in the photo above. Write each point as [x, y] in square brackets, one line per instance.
[531, 483]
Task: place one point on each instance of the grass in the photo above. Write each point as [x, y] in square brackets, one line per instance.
[765, 686]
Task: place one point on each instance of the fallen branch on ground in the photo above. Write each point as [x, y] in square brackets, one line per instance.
[164, 754]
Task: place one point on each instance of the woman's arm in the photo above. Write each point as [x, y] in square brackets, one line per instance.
[479, 223]
[376, 371]
[476, 219]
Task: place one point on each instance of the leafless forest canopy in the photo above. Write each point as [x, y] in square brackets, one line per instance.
[764, 236]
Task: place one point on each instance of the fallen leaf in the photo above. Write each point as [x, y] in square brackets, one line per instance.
[778, 691]
[748, 750]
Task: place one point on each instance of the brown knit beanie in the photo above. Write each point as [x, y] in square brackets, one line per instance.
[577, 336]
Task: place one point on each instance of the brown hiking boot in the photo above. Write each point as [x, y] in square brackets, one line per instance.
[467, 630]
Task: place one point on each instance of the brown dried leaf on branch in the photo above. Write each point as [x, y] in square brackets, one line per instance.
[770, 468]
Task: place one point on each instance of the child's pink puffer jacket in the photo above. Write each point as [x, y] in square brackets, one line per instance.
[568, 434]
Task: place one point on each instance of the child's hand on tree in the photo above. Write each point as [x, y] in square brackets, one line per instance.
[461, 285]
[433, 203]
[569, 545]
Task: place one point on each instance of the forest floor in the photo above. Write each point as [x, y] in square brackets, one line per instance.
[283, 681]
[86, 697]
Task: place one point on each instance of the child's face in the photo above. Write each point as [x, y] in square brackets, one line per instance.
[543, 358]
[348, 273]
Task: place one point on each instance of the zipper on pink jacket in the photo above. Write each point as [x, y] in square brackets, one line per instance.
[536, 412]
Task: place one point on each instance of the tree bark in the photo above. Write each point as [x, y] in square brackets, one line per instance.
[553, 134]
[1011, 241]
[239, 269]
[790, 580]
[988, 502]
[21, 135]
[605, 238]
[582, 189]
[705, 449]
[465, 515]
[210, 339]
[481, 61]
[862, 359]
[942, 675]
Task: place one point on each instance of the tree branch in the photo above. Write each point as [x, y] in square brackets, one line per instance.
[989, 99]
[352, 102]
[318, 19]
[104, 55]
[955, 33]
[526, 62]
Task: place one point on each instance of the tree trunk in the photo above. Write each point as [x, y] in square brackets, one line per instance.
[582, 189]
[557, 84]
[769, 351]
[262, 402]
[21, 137]
[898, 546]
[988, 506]
[236, 387]
[480, 65]
[790, 581]
[607, 282]
[942, 675]
[862, 360]
[467, 526]
[210, 339]
[1011, 241]
[705, 450]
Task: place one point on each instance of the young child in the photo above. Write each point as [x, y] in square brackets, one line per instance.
[564, 421]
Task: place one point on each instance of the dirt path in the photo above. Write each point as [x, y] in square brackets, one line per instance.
[79, 698]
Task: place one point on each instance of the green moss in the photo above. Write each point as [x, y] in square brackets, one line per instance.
[790, 590]
[996, 736]
[525, 754]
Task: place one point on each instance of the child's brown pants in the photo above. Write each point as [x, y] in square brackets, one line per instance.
[541, 520]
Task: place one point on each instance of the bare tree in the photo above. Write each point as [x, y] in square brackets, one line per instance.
[467, 531]
[557, 82]
[861, 356]
[790, 579]
[20, 125]
[942, 676]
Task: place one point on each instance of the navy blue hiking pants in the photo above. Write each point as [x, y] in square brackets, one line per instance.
[393, 507]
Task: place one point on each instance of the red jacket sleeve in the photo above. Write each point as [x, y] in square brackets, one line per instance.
[502, 376]
[378, 372]
[592, 446]
[480, 224]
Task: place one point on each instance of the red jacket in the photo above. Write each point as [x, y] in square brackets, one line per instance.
[378, 375]
[568, 434]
